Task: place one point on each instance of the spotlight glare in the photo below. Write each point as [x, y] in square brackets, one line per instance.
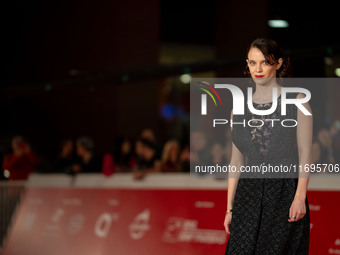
[185, 78]
[7, 173]
[337, 72]
[278, 23]
[328, 61]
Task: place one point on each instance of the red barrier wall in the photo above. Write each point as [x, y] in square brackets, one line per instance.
[142, 221]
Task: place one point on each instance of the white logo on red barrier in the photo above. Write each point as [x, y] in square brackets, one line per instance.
[72, 201]
[333, 251]
[28, 221]
[76, 224]
[36, 201]
[314, 207]
[57, 215]
[103, 224]
[186, 230]
[113, 202]
[204, 204]
[140, 225]
[337, 242]
[52, 227]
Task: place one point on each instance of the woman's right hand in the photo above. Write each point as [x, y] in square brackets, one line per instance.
[227, 222]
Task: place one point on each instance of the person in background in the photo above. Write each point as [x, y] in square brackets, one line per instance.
[149, 134]
[199, 151]
[22, 161]
[150, 161]
[326, 147]
[170, 157]
[66, 157]
[185, 159]
[316, 151]
[218, 154]
[219, 157]
[335, 133]
[121, 160]
[89, 162]
[138, 152]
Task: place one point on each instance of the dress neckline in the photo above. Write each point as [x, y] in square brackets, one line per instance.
[268, 102]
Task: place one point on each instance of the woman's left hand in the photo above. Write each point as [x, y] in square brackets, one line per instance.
[297, 209]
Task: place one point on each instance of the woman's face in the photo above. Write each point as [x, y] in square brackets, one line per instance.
[68, 147]
[126, 147]
[325, 138]
[258, 66]
[139, 148]
[217, 150]
[174, 150]
[198, 141]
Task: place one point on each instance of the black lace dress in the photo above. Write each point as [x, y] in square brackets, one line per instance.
[261, 205]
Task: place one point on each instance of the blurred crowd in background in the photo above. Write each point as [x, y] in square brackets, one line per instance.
[144, 155]
[110, 69]
[141, 156]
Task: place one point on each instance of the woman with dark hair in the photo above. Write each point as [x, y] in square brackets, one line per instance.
[272, 54]
[170, 156]
[269, 215]
[66, 157]
[89, 162]
[122, 159]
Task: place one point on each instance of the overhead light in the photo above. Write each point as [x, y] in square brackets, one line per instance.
[337, 72]
[328, 61]
[185, 78]
[278, 23]
[7, 173]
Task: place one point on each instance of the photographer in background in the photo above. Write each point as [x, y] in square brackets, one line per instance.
[22, 161]
[150, 160]
[89, 161]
